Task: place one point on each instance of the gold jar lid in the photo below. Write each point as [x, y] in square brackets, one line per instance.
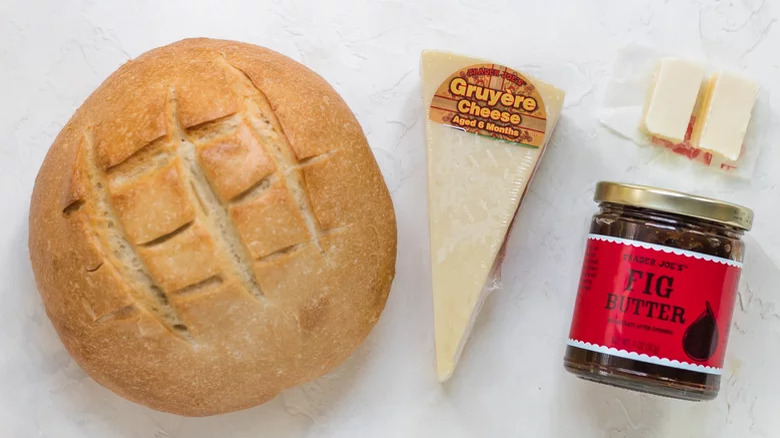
[670, 201]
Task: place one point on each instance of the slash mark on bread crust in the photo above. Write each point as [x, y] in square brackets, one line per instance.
[216, 215]
[266, 127]
[73, 207]
[122, 255]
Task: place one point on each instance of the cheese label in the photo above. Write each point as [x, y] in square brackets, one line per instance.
[655, 304]
[494, 101]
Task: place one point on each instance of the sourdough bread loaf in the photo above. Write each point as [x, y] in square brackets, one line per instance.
[211, 228]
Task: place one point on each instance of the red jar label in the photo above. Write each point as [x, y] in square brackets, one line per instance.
[655, 304]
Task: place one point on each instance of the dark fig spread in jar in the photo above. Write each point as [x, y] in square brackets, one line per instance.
[658, 286]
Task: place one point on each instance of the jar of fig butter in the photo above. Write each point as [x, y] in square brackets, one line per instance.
[658, 286]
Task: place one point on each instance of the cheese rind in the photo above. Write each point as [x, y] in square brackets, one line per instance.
[475, 185]
[672, 99]
[724, 115]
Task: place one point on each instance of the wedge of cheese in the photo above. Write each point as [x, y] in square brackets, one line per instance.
[725, 114]
[476, 182]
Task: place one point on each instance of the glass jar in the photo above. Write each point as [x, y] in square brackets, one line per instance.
[657, 290]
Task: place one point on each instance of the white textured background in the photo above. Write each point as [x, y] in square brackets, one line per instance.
[510, 382]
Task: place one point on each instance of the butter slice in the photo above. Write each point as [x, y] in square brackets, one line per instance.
[475, 185]
[672, 99]
[724, 115]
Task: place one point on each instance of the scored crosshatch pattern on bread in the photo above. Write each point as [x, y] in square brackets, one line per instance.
[211, 228]
[224, 185]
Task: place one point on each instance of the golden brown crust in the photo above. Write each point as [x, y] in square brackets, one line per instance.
[235, 163]
[153, 204]
[270, 222]
[192, 290]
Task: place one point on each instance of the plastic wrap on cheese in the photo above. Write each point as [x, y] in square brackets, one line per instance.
[486, 129]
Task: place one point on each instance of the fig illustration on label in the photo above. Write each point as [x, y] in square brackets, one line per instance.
[701, 338]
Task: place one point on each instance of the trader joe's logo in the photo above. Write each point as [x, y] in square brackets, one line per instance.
[491, 100]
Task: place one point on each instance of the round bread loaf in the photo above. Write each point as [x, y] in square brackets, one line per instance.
[211, 228]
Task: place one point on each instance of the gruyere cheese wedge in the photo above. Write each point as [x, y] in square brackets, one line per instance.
[672, 98]
[475, 182]
[724, 115]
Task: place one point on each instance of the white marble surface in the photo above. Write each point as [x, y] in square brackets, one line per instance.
[510, 381]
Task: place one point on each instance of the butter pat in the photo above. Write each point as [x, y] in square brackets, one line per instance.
[724, 115]
[672, 99]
